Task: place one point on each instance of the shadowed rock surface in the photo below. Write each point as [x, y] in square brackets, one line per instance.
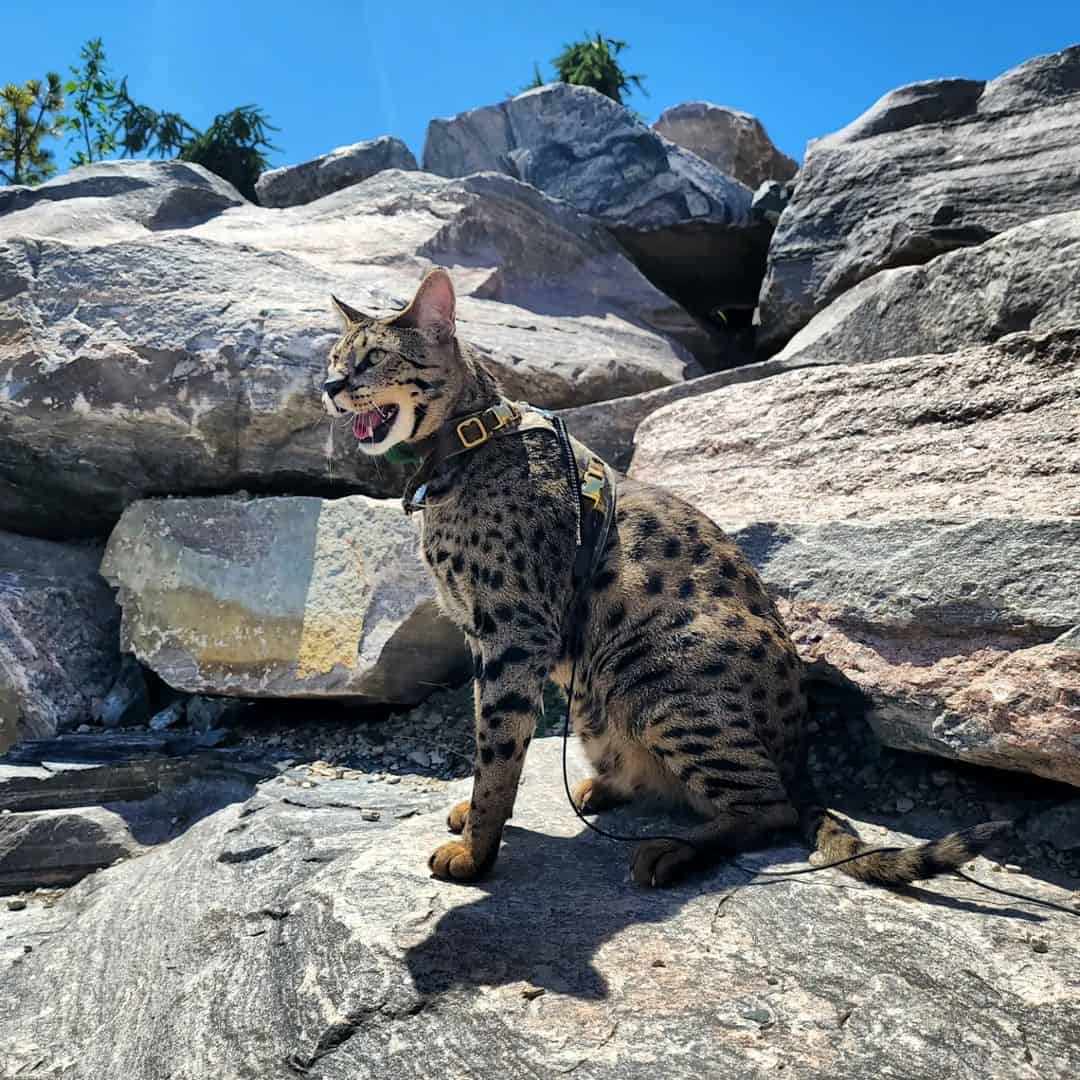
[920, 518]
[73, 805]
[732, 140]
[287, 937]
[138, 361]
[59, 652]
[282, 597]
[930, 167]
[294, 185]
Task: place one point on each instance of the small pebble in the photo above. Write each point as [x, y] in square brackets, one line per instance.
[370, 815]
[83, 729]
[16, 904]
[904, 805]
[393, 779]
[530, 993]
[1040, 945]
[1012, 868]
[759, 1016]
[659, 963]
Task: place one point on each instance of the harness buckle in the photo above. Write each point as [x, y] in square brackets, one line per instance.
[504, 413]
[479, 425]
[592, 486]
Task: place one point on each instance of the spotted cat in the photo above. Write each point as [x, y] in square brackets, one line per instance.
[687, 685]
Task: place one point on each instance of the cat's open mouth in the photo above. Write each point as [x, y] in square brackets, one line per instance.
[374, 425]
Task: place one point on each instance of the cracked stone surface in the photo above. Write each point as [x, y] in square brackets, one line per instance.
[274, 940]
[919, 519]
[158, 339]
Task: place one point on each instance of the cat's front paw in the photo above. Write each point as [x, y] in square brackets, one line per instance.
[458, 817]
[454, 861]
[594, 796]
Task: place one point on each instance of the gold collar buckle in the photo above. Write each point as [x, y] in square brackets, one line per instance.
[476, 424]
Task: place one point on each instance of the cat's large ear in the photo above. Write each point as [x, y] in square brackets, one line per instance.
[432, 309]
[349, 315]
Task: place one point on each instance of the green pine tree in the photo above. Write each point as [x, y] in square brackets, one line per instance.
[595, 62]
[28, 114]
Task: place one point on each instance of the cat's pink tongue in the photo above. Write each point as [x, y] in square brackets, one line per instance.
[363, 424]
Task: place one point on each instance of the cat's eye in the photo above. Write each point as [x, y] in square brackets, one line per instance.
[373, 357]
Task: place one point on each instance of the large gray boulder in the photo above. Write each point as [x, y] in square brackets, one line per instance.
[294, 935]
[918, 520]
[578, 145]
[282, 597]
[686, 224]
[734, 141]
[294, 185]
[928, 168]
[59, 647]
[1026, 278]
[139, 361]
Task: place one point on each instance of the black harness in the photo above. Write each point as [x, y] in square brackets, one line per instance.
[590, 479]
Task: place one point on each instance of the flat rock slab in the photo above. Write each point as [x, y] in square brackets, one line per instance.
[920, 520]
[80, 803]
[110, 196]
[282, 597]
[93, 770]
[294, 941]
[59, 650]
[608, 427]
[138, 360]
[930, 167]
[50, 848]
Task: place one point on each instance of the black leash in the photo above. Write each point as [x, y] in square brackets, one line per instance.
[584, 571]
[592, 530]
[1052, 905]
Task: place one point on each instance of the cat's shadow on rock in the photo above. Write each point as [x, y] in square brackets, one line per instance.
[552, 902]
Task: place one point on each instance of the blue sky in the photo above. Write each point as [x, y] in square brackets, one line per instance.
[330, 74]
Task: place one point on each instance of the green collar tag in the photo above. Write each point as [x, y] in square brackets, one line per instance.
[402, 454]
